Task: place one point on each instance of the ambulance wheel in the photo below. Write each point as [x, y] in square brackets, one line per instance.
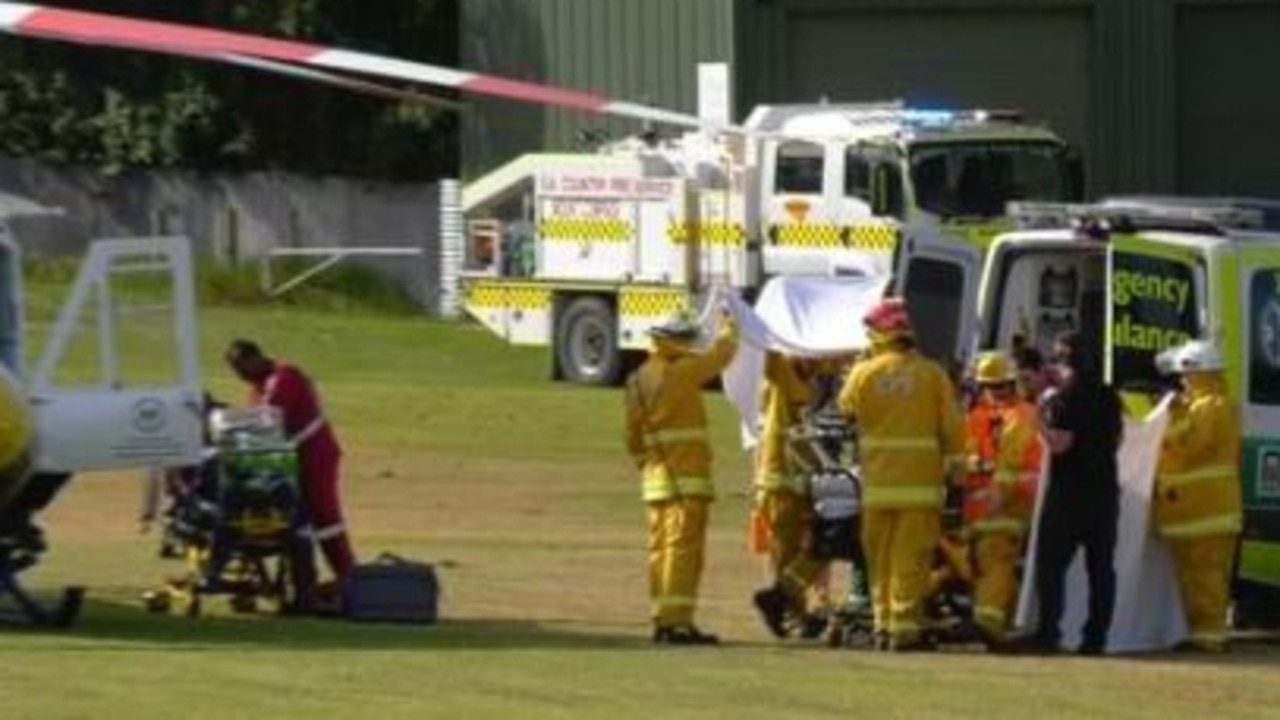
[587, 342]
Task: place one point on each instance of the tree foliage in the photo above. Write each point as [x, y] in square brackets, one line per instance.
[119, 109]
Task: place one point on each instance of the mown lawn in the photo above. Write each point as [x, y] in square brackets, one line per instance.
[458, 451]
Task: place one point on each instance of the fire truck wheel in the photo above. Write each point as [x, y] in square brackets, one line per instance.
[587, 342]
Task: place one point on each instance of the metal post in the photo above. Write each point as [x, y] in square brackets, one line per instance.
[451, 250]
[231, 236]
[693, 237]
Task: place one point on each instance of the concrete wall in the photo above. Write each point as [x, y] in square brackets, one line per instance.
[232, 218]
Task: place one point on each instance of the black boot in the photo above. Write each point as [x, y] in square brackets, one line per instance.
[772, 604]
[690, 635]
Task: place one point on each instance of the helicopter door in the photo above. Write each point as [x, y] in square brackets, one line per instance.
[118, 382]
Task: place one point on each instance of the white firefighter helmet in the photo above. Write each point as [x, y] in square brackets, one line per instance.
[680, 326]
[1191, 356]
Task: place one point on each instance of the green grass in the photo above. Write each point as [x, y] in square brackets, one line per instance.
[458, 451]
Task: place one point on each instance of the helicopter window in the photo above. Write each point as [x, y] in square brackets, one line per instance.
[799, 168]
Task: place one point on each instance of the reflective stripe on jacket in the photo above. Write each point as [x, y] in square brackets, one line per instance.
[667, 419]
[1005, 460]
[909, 427]
[1198, 481]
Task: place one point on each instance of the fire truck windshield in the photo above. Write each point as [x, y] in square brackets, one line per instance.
[976, 179]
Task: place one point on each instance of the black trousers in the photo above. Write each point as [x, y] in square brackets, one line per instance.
[1068, 524]
[35, 495]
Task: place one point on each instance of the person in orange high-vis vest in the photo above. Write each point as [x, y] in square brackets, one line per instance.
[910, 441]
[1000, 489]
[667, 439]
[1197, 495]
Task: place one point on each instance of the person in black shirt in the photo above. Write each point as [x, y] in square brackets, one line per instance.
[1082, 427]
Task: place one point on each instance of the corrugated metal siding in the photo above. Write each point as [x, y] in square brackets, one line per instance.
[1037, 55]
[1162, 95]
[1228, 107]
[629, 49]
[992, 59]
[1162, 74]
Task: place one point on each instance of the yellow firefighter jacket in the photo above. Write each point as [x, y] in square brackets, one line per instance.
[779, 462]
[1198, 481]
[667, 420]
[16, 434]
[909, 428]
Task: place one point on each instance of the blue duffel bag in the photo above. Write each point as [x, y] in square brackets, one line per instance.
[392, 589]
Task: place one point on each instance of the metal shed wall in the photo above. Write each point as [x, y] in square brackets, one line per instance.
[1041, 56]
[643, 50]
[1228, 109]
[1161, 95]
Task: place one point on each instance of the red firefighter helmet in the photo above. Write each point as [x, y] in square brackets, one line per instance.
[889, 320]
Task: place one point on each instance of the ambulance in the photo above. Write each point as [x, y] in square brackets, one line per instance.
[582, 253]
[1134, 276]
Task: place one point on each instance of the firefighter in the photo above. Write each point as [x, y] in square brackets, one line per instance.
[667, 438]
[1197, 496]
[911, 438]
[280, 384]
[782, 495]
[1000, 489]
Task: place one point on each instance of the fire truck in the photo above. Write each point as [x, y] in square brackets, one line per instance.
[582, 253]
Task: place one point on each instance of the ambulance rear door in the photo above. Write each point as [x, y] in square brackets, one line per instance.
[1156, 299]
[939, 279]
[1257, 332]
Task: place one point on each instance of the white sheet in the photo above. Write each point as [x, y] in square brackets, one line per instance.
[800, 316]
[817, 316]
[1148, 611]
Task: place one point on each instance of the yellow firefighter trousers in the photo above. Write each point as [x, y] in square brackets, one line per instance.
[899, 544]
[787, 515]
[996, 583]
[1204, 580]
[677, 544]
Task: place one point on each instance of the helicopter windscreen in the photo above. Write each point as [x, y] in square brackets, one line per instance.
[973, 179]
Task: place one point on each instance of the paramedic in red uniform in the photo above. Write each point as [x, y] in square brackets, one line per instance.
[275, 382]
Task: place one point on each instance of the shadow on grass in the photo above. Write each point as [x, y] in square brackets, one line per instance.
[1253, 649]
[108, 626]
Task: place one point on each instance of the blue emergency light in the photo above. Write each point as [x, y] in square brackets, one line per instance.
[929, 118]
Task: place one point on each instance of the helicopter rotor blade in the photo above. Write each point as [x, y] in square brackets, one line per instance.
[90, 28]
[343, 81]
